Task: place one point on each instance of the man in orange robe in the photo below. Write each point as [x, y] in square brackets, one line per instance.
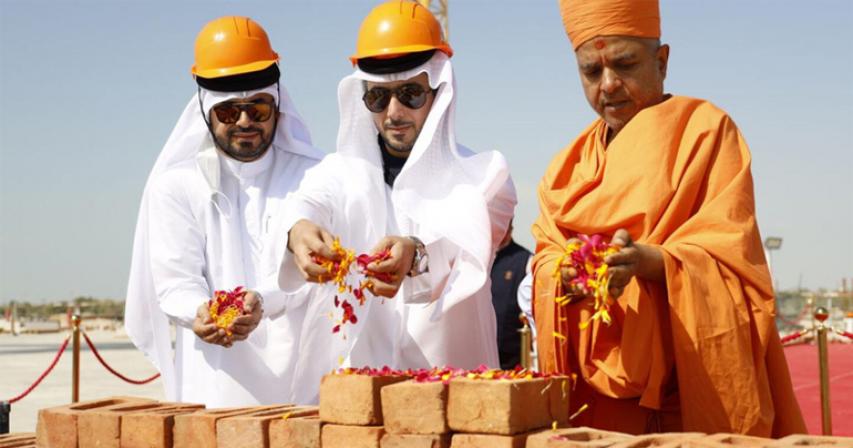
[692, 345]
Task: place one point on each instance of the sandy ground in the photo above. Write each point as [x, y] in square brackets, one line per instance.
[23, 358]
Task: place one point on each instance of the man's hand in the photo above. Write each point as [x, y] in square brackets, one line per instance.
[632, 260]
[307, 240]
[206, 329]
[567, 274]
[253, 312]
[397, 265]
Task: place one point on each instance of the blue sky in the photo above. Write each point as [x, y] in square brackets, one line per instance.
[89, 91]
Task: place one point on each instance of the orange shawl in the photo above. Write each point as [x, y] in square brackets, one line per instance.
[702, 351]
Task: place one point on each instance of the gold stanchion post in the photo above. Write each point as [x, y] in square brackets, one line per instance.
[524, 334]
[820, 315]
[75, 366]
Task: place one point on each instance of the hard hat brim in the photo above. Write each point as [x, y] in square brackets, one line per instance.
[399, 51]
[231, 71]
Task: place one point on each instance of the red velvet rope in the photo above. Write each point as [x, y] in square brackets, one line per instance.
[113, 371]
[794, 336]
[845, 334]
[45, 373]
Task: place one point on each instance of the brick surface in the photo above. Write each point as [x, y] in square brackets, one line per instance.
[346, 436]
[252, 430]
[724, 439]
[807, 440]
[558, 399]
[152, 428]
[57, 426]
[102, 427]
[353, 399]
[297, 431]
[411, 407]
[415, 441]
[575, 437]
[662, 440]
[198, 429]
[488, 441]
[503, 407]
[18, 440]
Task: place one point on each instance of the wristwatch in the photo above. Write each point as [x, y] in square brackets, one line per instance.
[420, 262]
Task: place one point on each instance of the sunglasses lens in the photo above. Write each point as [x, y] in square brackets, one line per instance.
[412, 96]
[377, 99]
[227, 113]
[259, 111]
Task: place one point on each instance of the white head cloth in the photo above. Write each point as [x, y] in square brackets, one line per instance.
[149, 327]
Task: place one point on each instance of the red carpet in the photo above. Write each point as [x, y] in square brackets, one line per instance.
[802, 360]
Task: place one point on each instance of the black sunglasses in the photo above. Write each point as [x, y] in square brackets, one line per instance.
[229, 113]
[410, 95]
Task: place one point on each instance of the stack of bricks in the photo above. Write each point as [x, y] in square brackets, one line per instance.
[378, 410]
[127, 422]
[438, 408]
[351, 408]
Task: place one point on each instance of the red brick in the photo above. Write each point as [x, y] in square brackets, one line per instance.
[296, 431]
[415, 441]
[252, 430]
[57, 426]
[724, 439]
[502, 407]
[102, 427]
[345, 436]
[198, 429]
[488, 441]
[18, 440]
[808, 440]
[575, 437]
[411, 407]
[662, 440]
[353, 399]
[152, 428]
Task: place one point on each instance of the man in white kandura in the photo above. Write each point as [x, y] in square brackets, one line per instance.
[400, 182]
[238, 150]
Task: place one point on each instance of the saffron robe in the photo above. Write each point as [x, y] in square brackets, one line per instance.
[701, 351]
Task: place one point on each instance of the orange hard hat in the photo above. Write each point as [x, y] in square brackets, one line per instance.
[399, 27]
[232, 45]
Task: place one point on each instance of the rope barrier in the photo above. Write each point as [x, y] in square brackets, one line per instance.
[110, 369]
[794, 336]
[45, 373]
[844, 333]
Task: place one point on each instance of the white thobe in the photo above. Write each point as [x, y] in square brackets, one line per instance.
[199, 245]
[440, 318]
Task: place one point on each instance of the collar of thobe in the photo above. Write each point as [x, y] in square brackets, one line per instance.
[246, 172]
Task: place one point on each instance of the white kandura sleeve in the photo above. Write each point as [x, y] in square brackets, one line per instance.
[313, 202]
[176, 251]
[525, 294]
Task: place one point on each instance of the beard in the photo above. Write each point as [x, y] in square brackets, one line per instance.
[244, 151]
[398, 145]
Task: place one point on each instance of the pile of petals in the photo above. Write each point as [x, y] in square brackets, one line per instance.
[342, 275]
[445, 374]
[225, 306]
[586, 255]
